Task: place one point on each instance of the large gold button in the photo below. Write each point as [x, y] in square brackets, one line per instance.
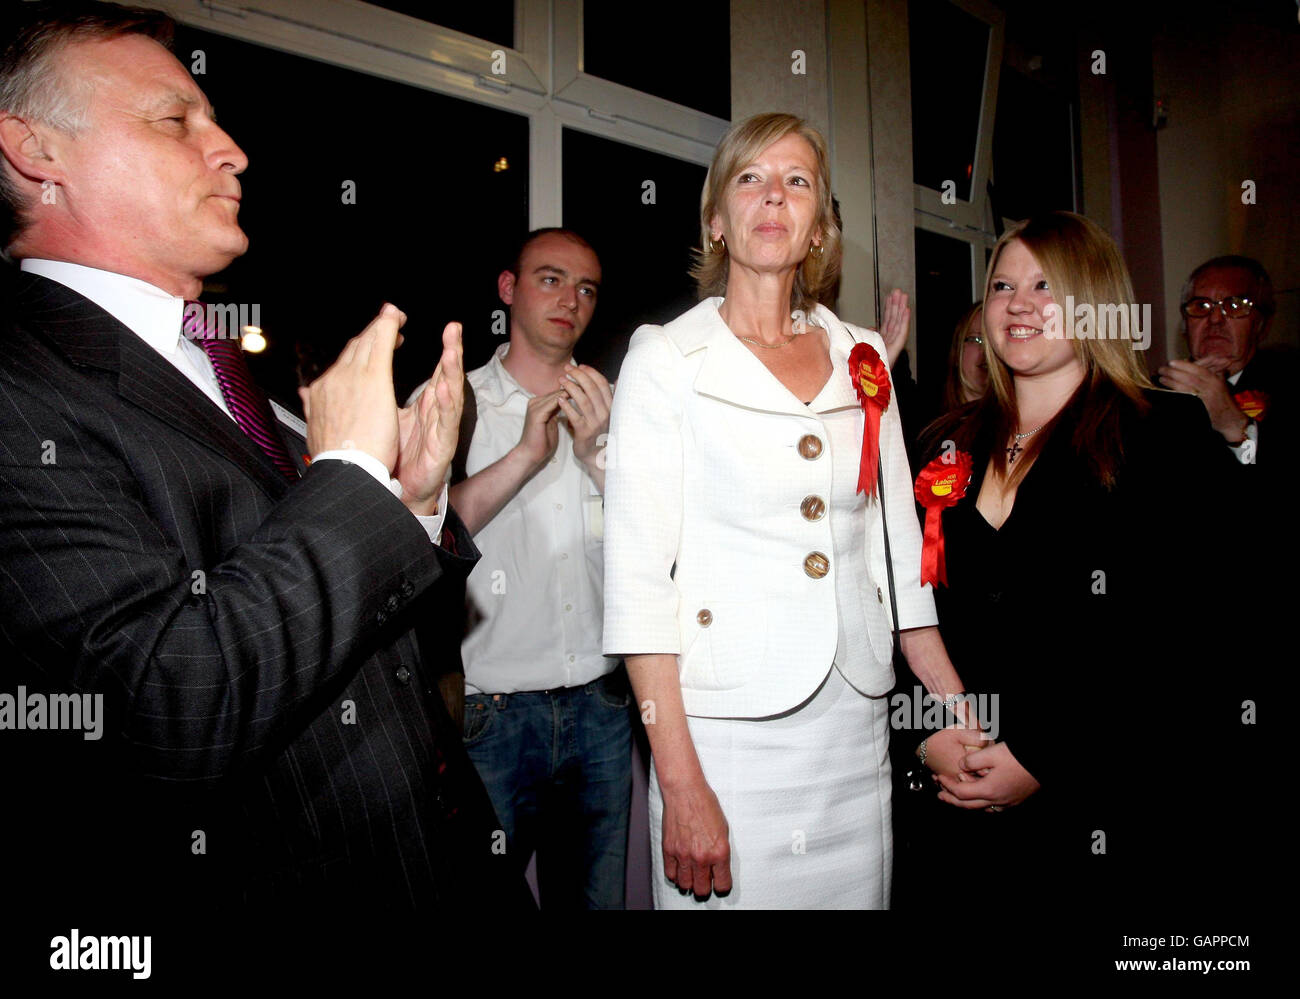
[704, 617]
[813, 508]
[816, 565]
[810, 446]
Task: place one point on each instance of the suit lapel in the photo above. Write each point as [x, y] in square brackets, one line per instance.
[839, 392]
[89, 336]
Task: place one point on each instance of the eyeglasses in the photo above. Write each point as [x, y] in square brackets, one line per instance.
[978, 341]
[1233, 307]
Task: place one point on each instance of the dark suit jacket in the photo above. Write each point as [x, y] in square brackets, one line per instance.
[1273, 371]
[272, 729]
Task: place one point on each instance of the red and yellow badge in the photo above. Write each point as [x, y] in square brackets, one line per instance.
[1254, 404]
[941, 484]
[870, 377]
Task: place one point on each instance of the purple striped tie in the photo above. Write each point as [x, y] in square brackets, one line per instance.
[246, 402]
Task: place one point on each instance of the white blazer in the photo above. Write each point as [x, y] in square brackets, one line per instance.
[708, 535]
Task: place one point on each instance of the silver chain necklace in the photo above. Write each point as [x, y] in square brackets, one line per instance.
[1015, 449]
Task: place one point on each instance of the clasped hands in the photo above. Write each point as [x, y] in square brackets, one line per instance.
[584, 398]
[976, 772]
[353, 405]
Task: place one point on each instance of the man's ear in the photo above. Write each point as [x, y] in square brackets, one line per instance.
[1261, 329]
[24, 146]
[506, 287]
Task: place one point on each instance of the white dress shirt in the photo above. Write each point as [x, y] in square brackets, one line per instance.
[156, 316]
[536, 595]
[1245, 455]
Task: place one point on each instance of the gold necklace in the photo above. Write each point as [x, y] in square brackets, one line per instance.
[767, 346]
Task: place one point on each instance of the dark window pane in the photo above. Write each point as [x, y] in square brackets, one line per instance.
[1038, 177]
[943, 293]
[641, 51]
[949, 50]
[491, 20]
[644, 249]
[431, 213]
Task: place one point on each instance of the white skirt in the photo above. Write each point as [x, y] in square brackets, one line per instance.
[806, 796]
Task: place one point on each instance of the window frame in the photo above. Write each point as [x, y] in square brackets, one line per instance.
[971, 220]
[543, 81]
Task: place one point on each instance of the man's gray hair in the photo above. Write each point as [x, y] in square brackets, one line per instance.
[31, 84]
[1262, 296]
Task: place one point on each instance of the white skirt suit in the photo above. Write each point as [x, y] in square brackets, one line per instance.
[735, 539]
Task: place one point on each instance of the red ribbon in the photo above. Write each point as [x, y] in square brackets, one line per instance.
[870, 376]
[1251, 402]
[941, 484]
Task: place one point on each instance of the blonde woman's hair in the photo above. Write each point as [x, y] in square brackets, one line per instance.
[737, 150]
[1080, 261]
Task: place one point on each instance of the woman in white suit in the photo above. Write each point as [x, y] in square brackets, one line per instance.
[745, 572]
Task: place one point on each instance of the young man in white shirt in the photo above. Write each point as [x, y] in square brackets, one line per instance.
[547, 719]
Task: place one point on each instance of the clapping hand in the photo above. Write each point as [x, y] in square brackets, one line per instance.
[352, 405]
[586, 399]
[1205, 380]
[893, 328]
[429, 427]
[541, 430]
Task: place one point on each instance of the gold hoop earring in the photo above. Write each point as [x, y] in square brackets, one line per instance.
[817, 250]
[718, 245]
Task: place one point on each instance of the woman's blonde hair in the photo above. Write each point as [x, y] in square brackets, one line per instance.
[1079, 261]
[737, 150]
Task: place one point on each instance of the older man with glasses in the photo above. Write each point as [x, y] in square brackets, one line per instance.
[1227, 305]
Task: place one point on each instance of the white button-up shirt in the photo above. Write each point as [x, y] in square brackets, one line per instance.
[536, 595]
[1245, 455]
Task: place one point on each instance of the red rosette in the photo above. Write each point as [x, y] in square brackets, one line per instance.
[870, 377]
[1253, 403]
[941, 484]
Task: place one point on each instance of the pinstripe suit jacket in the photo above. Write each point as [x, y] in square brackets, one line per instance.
[251, 639]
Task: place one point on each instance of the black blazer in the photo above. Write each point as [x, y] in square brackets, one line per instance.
[272, 730]
[1103, 622]
[1273, 372]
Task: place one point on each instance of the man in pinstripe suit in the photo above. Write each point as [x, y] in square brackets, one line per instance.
[271, 730]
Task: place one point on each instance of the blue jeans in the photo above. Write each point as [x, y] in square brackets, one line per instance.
[557, 765]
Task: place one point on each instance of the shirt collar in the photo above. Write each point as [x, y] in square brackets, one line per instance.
[498, 384]
[149, 312]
